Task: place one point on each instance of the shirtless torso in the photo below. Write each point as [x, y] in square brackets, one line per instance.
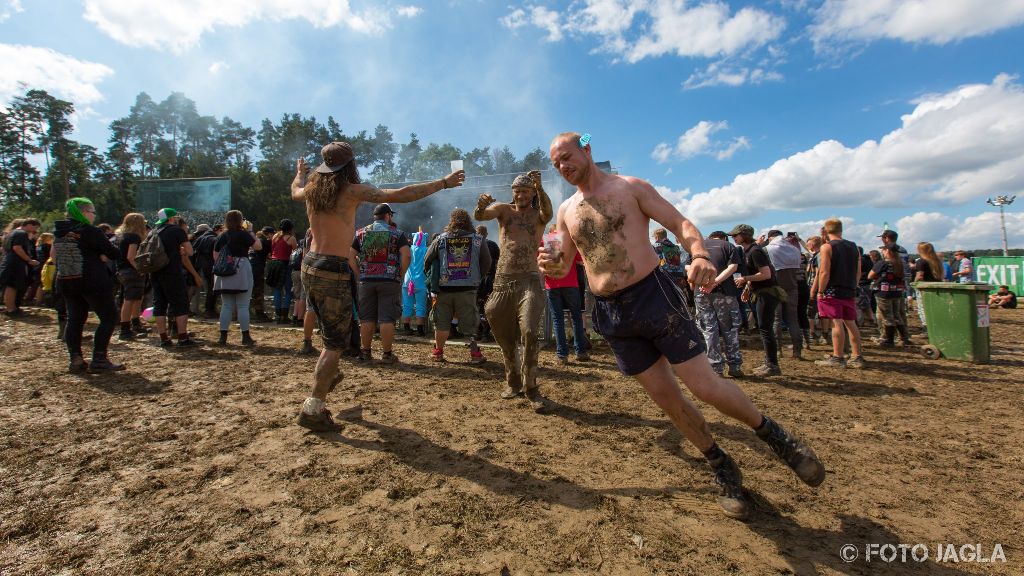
[520, 228]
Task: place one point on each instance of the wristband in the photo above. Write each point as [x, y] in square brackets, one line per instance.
[444, 184]
[700, 257]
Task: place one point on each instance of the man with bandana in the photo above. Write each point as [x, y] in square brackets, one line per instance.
[515, 306]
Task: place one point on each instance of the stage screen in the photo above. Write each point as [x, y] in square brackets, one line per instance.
[185, 194]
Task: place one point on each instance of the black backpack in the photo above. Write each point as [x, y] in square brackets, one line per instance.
[152, 257]
[295, 260]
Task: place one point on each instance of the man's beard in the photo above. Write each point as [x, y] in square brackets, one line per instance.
[578, 176]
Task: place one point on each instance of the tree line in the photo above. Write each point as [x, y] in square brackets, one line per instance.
[171, 139]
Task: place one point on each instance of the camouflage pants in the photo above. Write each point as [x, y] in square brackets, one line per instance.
[718, 316]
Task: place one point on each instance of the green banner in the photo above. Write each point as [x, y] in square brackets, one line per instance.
[1000, 270]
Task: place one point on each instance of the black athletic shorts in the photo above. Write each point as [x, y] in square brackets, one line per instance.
[14, 272]
[646, 321]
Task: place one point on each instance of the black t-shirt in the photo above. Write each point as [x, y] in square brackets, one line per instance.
[258, 258]
[17, 237]
[842, 274]
[237, 241]
[1012, 302]
[925, 268]
[889, 284]
[865, 267]
[722, 254]
[755, 257]
[127, 239]
[172, 237]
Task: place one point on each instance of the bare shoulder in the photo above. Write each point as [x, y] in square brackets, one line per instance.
[366, 192]
[637, 186]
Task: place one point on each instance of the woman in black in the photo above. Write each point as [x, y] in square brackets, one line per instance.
[928, 268]
[133, 284]
[81, 251]
[233, 274]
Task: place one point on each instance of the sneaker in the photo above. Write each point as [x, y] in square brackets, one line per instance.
[509, 393]
[78, 365]
[729, 479]
[187, 342]
[437, 355]
[882, 343]
[832, 362]
[17, 312]
[856, 362]
[734, 372]
[563, 360]
[476, 357]
[537, 401]
[388, 358]
[210, 315]
[767, 370]
[408, 332]
[583, 357]
[365, 356]
[322, 422]
[797, 455]
[104, 365]
[307, 348]
[166, 343]
[126, 335]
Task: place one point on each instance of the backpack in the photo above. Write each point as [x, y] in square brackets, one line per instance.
[295, 260]
[48, 274]
[226, 264]
[151, 256]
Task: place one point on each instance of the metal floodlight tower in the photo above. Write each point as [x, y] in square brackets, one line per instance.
[1002, 202]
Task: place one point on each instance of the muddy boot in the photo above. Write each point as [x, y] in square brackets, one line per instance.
[102, 365]
[307, 348]
[138, 328]
[78, 364]
[797, 455]
[421, 330]
[890, 337]
[904, 335]
[537, 401]
[807, 339]
[62, 326]
[223, 340]
[247, 339]
[321, 422]
[730, 484]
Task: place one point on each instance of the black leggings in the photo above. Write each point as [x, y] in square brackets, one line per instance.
[78, 305]
[764, 309]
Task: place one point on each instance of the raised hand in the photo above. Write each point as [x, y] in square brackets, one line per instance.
[484, 201]
[455, 179]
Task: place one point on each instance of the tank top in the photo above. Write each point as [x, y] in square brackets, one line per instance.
[842, 277]
[280, 250]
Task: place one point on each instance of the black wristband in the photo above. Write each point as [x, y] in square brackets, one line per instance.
[699, 257]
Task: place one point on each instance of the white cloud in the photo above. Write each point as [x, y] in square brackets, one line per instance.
[720, 74]
[178, 24]
[408, 11]
[10, 8]
[537, 16]
[666, 27]
[697, 140]
[59, 74]
[864, 234]
[927, 21]
[218, 67]
[951, 149]
[972, 232]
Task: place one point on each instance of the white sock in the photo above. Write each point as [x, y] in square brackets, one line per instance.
[313, 406]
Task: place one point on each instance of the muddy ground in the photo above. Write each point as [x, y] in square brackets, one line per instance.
[190, 462]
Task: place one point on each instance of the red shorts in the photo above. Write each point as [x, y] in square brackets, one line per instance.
[837, 308]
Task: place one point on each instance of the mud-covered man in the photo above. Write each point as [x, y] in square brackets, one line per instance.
[332, 195]
[641, 313]
[517, 301]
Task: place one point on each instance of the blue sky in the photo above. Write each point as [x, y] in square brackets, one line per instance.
[778, 113]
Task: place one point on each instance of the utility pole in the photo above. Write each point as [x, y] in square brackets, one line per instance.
[1002, 202]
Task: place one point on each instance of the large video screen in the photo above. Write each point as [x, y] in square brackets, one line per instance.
[187, 194]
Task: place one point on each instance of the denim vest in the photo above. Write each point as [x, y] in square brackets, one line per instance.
[460, 260]
[378, 252]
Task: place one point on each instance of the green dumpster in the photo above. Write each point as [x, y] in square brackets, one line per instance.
[957, 316]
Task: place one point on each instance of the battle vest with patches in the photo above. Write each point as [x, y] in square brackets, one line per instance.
[671, 257]
[378, 252]
[459, 255]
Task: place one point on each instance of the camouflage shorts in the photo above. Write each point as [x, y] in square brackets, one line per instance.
[326, 282]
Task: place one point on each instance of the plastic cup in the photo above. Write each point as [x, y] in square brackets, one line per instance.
[457, 165]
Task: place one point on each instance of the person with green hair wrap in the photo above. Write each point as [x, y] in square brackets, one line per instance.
[170, 292]
[81, 251]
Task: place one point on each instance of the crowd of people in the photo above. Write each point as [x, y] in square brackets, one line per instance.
[669, 311]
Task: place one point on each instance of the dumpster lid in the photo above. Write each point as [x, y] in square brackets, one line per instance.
[968, 286]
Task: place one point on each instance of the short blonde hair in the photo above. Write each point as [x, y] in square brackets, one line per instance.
[660, 233]
[834, 226]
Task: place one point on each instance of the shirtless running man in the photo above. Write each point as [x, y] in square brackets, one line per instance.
[642, 315]
[332, 195]
[515, 306]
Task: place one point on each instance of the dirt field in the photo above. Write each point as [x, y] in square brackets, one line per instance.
[190, 462]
